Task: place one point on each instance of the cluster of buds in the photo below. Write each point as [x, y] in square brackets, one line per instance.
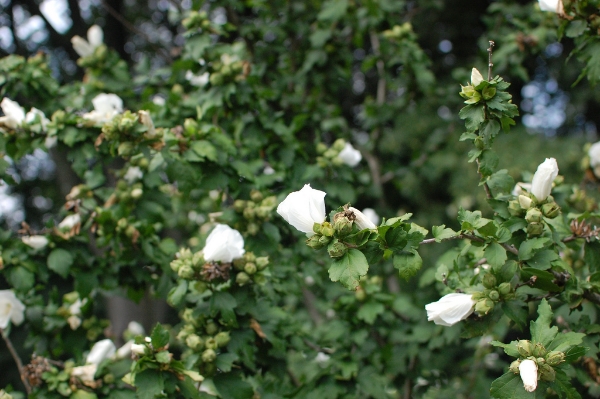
[533, 211]
[493, 293]
[251, 268]
[229, 69]
[479, 89]
[126, 130]
[71, 309]
[398, 31]
[207, 339]
[255, 211]
[189, 265]
[340, 153]
[581, 201]
[538, 361]
[196, 20]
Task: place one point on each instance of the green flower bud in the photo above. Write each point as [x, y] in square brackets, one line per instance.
[533, 215]
[211, 343]
[479, 144]
[324, 240]
[249, 257]
[336, 249]
[535, 229]
[211, 328]
[494, 295]
[315, 242]
[551, 210]
[249, 213]
[555, 358]
[262, 262]
[339, 145]
[524, 347]
[525, 201]
[488, 93]
[514, 208]
[327, 229]
[270, 202]
[467, 91]
[108, 378]
[239, 263]
[484, 306]
[242, 278]
[546, 372]
[256, 196]
[222, 339]
[194, 342]
[321, 148]
[330, 153]
[475, 98]
[262, 212]
[252, 229]
[342, 225]
[317, 228]
[514, 367]
[186, 272]
[209, 356]
[239, 205]
[539, 350]
[250, 268]
[504, 289]
[489, 280]
[200, 286]
[125, 148]
[216, 79]
[360, 294]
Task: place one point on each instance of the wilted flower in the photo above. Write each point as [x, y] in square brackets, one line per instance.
[75, 310]
[146, 120]
[529, 374]
[362, 220]
[35, 242]
[106, 107]
[541, 184]
[33, 113]
[133, 173]
[85, 373]
[450, 309]
[350, 156]
[476, 77]
[197, 80]
[70, 221]
[10, 308]
[223, 244]
[84, 47]
[551, 5]
[101, 350]
[302, 209]
[14, 114]
[594, 154]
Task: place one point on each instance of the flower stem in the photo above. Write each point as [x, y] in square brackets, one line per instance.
[17, 359]
[490, 64]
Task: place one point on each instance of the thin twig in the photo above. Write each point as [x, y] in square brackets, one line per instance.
[509, 248]
[17, 360]
[488, 193]
[490, 64]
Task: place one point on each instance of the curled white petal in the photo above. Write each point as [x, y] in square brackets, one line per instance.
[11, 309]
[106, 107]
[101, 350]
[197, 80]
[594, 154]
[302, 209]
[133, 174]
[95, 36]
[521, 188]
[124, 351]
[35, 242]
[14, 114]
[70, 221]
[138, 349]
[450, 309]
[541, 184]
[362, 220]
[551, 5]
[33, 113]
[350, 156]
[85, 48]
[371, 215]
[529, 374]
[223, 244]
[85, 373]
[135, 328]
[476, 77]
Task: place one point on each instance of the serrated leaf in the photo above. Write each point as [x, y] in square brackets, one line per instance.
[562, 384]
[510, 349]
[160, 336]
[408, 264]
[540, 329]
[530, 246]
[473, 116]
[517, 312]
[495, 254]
[442, 232]
[225, 360]
[510, 386]
[177, 294]
[60, 261]
[231, 386]
[564, 341]
[542, 259]
[575, 353]
[149, 383]
[349, 269]
[369, 311]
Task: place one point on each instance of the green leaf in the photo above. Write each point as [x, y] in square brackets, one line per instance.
[489, 130]
[473, 115]
[407, 263]
[177, 294]
[149, 383]
[592, 255]
[225, 361]
[231, 386]
[575, 353]
[163, 357]
[442, 232]
[517, 312]
[495, 254]
[506, 272]
[542, 259]
[565, 340]
[60, 261]
[160, 337]
[224, 303]
[349, 268]
[333, 10]
[188, 388]
[562, 384]
[204, 149]
[510, 349]
[528, 247]
[576, 28]
[20, 278]
[369, 311]
[510, 386]
[544, 280]
[540, 329]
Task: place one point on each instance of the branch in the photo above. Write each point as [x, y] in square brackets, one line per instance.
[488, 193]
[17, 359]
[509, 248]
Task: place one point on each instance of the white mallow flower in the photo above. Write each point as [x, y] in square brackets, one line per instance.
[106, 107]
[362, 220]
[350, 156]
[371, 215]
[541, 184]
[529, 374]
[101, 350]
[476, 77]
[133, 173]
[85, 48]
[124, 351]
[11, 309]
[302, 209]
[594, 154]
[197, 80]
[35, 242]
[85, 373]
[450, 309]
[33, 113]
[223, 244]
[135, 328]
[138, 349]
[521, 188]
[551, 5]
[70, 221]
[14, 114]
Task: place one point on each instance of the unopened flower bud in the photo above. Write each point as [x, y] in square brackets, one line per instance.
[325, 240]
[210, 343]
[360, 294]
[211, 328]
[327, 229]
[336, 249]
[555, 358]
[249, 213]
[539, 350]
[533, 215]
[262, 212]
[494, 295]
[239, 263]
[488, 93]
[504, 288]
[256, 196]
[252, 229]
[239, 205]
[339, 144]
[222, 339]
[315, 242]
[524, 347]
[479, 144]
[489, 280]
[321, 148]
[316, 228]
[250, 268]
[342, 225]
[193, 341]
[262, 262]
[249, 257]
[514, 208]
[514, 367]
[535, 229]
[524, 201]
[242, 278]
[209, 356]
[546, 372]
[484, 306]
[186, 272]
[190, 127]
[551, 210]
[125, 148]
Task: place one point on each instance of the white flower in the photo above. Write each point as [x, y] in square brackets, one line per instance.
[302, 209]
[14, 114]
[74, 322]
[322, 358]
[223, 244]
[135, 328]
[551, 5]
[35, 242]
[125, 350]
[350, 156]
[476, 77]
[529, 374]
[85, 373]
[146, 120]
[10, 309]
[133, 173]
[521, 188]
[450, 309]
[594, 154]
[362, 220]
[197, 80]
[371, 215]
[159, 100]
[541, 185]
[70, 221]
[75, 308]
[84, 47]
[106, 107]
[138, 349]
[33, 113]
[101, 350]
[524, 201]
